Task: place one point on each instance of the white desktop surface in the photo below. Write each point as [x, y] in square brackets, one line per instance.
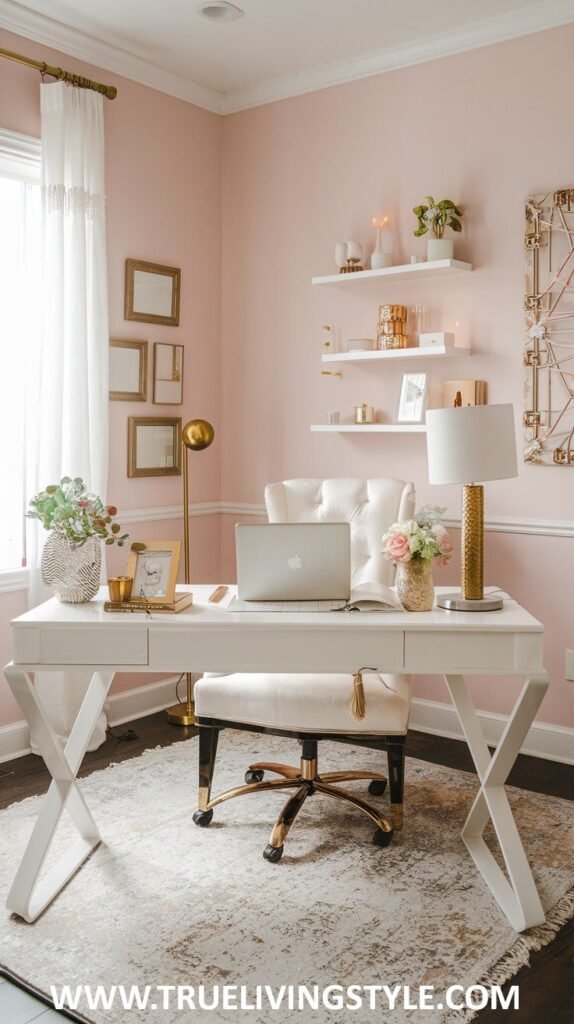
[207, 637]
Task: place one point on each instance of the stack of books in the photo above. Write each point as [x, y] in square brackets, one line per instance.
[181, 600]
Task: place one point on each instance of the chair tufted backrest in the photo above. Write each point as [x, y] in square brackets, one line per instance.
[370, 506]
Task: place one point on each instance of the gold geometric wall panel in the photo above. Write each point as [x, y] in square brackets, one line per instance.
[549, 314]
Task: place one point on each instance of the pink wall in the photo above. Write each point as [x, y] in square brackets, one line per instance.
[163, 181]
[297, 176]
[303, 173]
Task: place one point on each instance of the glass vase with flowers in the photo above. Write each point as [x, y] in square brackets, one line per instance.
[413, 546]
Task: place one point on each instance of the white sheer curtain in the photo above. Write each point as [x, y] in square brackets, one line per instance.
[68, 412]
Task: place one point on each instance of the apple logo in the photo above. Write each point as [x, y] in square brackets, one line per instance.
[295, 562]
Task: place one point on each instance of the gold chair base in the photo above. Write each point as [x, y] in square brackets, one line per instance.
[306, 781]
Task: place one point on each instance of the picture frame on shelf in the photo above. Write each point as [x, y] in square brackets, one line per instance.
[128, 370]
[153, 565]
[167, 374]
[154, 446]
[413, 398]
[151, 294]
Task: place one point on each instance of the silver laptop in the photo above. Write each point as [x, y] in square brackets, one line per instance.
[293, 561]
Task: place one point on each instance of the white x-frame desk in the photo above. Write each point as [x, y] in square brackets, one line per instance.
[209, 638]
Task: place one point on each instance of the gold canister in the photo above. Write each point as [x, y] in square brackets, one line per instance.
[392, 312]
[120, 588]
[364, 413]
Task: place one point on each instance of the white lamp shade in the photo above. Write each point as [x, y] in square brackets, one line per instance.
[471, 443]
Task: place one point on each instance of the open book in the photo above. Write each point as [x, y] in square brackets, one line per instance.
[373, 597]
[368, 597]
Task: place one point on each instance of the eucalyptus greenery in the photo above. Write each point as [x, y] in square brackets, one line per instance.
[68, 510]
[436, 217]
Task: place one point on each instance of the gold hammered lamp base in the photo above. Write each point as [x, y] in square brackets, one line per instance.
[471, 597]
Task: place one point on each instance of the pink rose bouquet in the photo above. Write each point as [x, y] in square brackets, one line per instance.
[423, 537]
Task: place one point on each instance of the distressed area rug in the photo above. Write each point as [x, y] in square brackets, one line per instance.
[163, 902]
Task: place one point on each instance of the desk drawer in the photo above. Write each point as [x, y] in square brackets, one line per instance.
[78, 645]
[440, 652]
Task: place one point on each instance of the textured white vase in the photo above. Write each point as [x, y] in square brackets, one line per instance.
[440, 249]
[72, 570]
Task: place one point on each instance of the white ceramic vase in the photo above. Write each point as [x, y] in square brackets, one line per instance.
[379, 258]
[72, 570]
[440, 249]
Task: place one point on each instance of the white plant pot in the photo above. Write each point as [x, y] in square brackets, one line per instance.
[440, 249]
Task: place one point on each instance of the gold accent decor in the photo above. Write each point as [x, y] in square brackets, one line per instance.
[196, 435]
[548, 418]
[139, 395]
[472, 546]
[109, 91]
[120, 588]
[166, 452]
[163, 555]
[133, 311]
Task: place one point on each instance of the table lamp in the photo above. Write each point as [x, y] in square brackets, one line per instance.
[196, 435]
[464, 445]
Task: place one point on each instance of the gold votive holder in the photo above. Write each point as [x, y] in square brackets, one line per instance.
[120, 588]
[364, 413]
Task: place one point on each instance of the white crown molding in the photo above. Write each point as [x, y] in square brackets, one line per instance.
[41, 29]
[496, 29]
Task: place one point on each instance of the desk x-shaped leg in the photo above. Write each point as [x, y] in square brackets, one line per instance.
[28, 896]
[516, 895]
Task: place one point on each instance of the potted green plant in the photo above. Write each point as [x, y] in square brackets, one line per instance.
[77, 522]
[436, 217]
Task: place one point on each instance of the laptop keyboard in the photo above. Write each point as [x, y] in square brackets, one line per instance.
[236, 605]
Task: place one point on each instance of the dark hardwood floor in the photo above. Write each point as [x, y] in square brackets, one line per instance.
[546, 986]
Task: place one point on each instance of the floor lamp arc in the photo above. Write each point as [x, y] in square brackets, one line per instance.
[196, 436]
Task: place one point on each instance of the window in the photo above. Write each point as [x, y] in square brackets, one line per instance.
[20, 243]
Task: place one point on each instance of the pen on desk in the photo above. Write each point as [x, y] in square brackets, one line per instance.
[218, 594]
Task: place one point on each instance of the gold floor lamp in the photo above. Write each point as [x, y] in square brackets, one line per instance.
[197, 435]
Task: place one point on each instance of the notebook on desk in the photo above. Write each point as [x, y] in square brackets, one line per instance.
[368, 597]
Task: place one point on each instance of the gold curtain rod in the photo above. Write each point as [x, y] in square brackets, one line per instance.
[109, 91]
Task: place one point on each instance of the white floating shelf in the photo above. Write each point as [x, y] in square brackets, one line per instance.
[433, 268]
[368, 428]
[373, 355]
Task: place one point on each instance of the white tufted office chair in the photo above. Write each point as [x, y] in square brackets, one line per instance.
[315, 707]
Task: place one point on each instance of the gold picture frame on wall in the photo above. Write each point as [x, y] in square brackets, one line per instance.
[152, 293]
[167, 374]
[128, 371]
[154, 446]
[153, 566]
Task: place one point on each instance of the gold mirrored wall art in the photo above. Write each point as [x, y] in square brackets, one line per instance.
[548, 353]
[154, 446]
[167, 374]
[128, 371]
[152, 293]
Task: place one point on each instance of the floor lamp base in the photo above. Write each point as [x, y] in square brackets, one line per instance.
[455, 602]
[182, 714]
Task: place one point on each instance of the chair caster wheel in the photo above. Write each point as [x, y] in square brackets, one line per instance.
[255, 775]
[273, 853]
[377, 787]
[203, 818]
[381, 838]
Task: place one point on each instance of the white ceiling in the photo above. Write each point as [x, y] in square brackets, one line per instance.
[279, 48]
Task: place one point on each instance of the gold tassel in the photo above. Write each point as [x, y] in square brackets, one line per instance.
[358, 700]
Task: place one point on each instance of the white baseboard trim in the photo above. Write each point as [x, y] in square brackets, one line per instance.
[550, 742]
[120, 708]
